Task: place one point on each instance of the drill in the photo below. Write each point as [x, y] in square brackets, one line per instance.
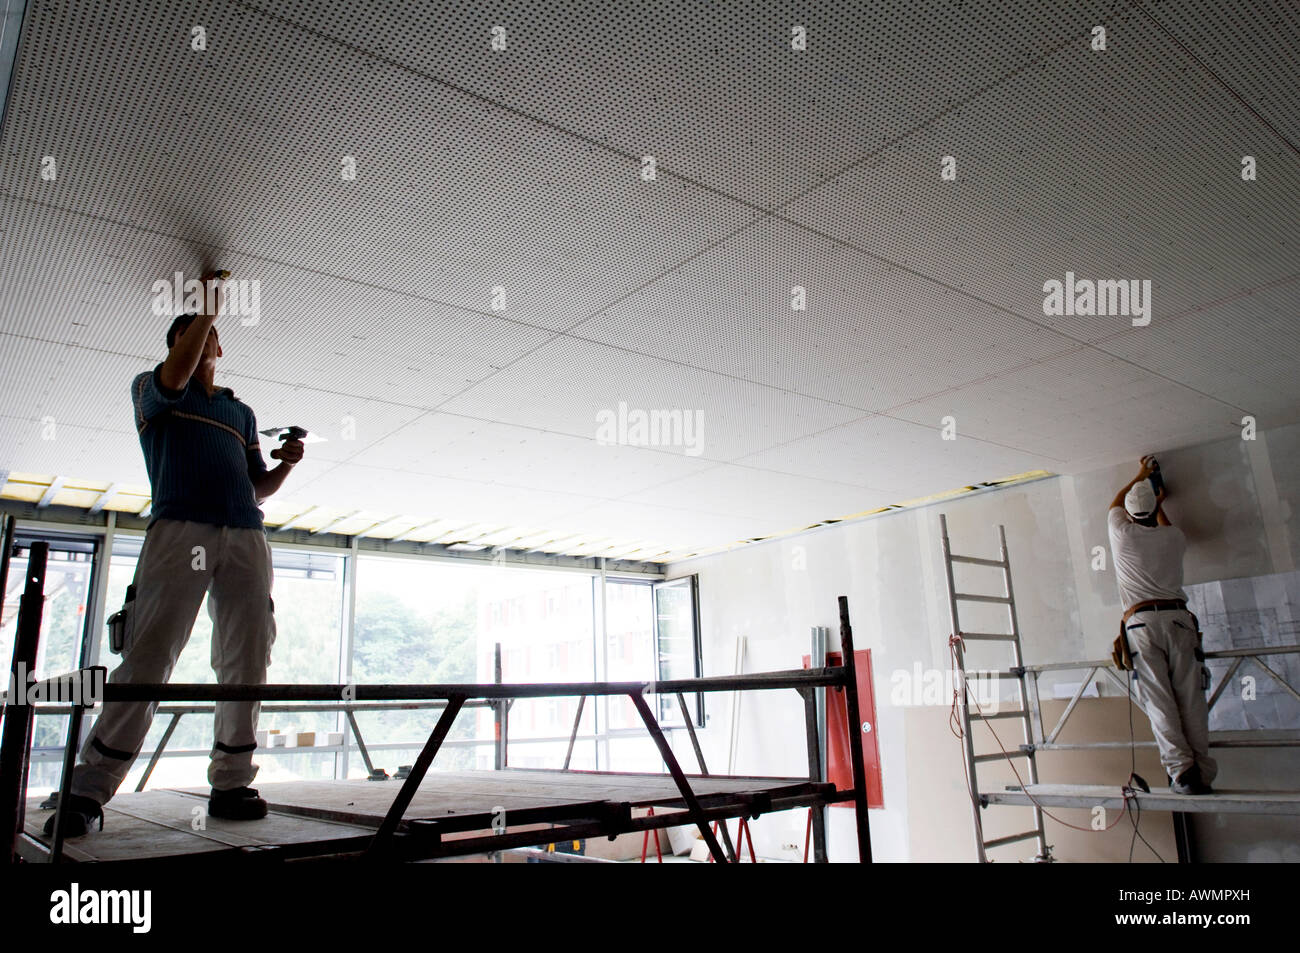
[1157, 482]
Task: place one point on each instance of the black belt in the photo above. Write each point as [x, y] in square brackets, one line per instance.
[1154, 605]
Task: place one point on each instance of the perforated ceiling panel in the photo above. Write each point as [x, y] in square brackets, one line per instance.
[503, 275]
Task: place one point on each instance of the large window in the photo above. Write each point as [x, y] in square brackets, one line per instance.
[414, 621]
[308, 591]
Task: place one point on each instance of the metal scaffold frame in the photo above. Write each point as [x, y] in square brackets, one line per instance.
[399, 838]
[1036, 738]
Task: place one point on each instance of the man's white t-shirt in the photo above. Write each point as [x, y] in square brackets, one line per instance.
[1148, 559]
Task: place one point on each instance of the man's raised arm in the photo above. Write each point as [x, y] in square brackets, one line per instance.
[1142, 475]
[184, 355]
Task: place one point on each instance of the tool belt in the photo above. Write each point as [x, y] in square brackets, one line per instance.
[1121, 655]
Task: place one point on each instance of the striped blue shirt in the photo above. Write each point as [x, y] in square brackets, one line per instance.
[201, 452]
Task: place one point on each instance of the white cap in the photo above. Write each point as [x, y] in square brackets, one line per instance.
[1140, 500]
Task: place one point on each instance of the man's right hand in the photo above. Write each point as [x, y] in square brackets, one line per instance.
[187, 351]
[208, 278]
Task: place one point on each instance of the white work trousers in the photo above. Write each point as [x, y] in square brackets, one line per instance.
[179, 563]
[1163, 643]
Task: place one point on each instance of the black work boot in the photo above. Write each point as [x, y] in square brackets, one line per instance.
[241, 804]
[1189, 782]
[81, 813]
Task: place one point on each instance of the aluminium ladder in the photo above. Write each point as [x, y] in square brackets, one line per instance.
[1028, 703]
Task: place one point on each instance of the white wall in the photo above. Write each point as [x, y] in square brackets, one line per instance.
[1234, 499]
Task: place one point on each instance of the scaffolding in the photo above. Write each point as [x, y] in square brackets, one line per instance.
[1036, 738]
[393, 836]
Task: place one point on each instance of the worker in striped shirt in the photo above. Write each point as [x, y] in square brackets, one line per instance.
[205, 537]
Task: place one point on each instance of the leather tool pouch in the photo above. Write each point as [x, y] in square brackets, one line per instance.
[121, 624]
[1120, 654]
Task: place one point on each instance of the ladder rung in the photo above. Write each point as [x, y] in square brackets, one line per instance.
[985, 758]
[989, 636]
[1001, 841]
[1084, 746]
[977, 561]
[971, 597]
[998, 675]
[1021, 713]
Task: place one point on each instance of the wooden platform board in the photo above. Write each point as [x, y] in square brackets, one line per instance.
[154, 824]
[445, 793]
[158, 824]
[1160, 799]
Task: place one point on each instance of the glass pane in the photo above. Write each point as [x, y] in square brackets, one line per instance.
[436, 622]
[629, 627]
[543, 621]
[639, 754]
[63, 616]
[677, 643]
[416, 622]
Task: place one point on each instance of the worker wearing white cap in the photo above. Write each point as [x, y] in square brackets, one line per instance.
[1162, 634]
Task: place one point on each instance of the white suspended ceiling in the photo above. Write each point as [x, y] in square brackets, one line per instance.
[521, 169]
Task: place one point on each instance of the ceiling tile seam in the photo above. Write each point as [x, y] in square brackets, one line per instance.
[70, 426]
[925, 124]
[635, 160]
[1040, 325]
[337, 464]
[492, 316]
[901, 420]
[288, 266]
[1204, 306]
[1218, 79]
[567, 333]
[778, 472]
[922, 126]
[425, 412]
[738, 462]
